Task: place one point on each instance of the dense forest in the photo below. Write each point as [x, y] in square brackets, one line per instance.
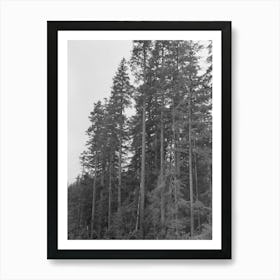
[146, 171]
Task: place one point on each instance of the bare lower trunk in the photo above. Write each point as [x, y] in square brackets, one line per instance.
[162, 209]
[156, 153]
[101, 204]
[190, 168]
[176, 210]
[79, 215]
[109, 194]
[162, 199]
[210, 189]
[120, 177]
[138, 212]
[143, 159]
[142, 183]
[99, 230]
[176, 132]
[175, 166]
[93, 198]
[196, 185]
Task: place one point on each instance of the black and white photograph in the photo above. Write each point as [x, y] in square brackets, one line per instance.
[139, 140]
[144, 171]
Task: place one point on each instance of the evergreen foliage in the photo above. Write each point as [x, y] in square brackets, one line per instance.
[149, 176]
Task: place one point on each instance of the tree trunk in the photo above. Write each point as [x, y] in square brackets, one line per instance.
[176, 210]
[175, 165]
[177, 153]
[120, 176]
[210, 190]
[101, 210]
[162, 209]
[196, 185]
[143, 160]
[190, 166]
[138, 212]
[110, 193]
[79, 215]
[99, 230]
[93, 198]
[142, 184]
[156, 152]
[162, 202]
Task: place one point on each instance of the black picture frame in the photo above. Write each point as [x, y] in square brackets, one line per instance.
[52, 138]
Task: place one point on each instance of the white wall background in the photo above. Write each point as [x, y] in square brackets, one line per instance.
[256, 127]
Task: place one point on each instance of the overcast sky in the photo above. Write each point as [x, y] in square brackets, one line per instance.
[91, 67]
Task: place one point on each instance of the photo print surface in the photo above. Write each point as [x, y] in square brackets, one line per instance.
[140, 139]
